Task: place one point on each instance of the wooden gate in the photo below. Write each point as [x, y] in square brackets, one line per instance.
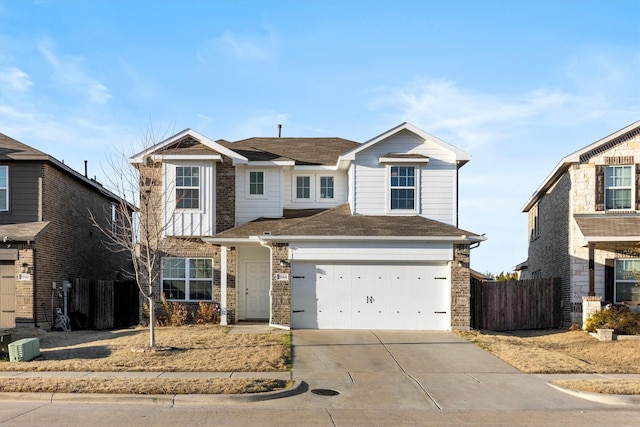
[516, 304]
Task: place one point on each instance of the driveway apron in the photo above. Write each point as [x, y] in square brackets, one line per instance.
[415, 369]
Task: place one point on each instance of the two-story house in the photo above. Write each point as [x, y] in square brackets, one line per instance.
[584, 224]
[46, 234]
[316, 232]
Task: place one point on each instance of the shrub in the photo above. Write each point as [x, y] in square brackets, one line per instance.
[177, 313]
[619, 318]
[208, 312]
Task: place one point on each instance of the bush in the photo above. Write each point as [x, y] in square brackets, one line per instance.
[208, 312]
[177, 313]
[619, 318]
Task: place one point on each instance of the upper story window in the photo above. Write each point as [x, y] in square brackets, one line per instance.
[627, 285]
[618, 187]
[303, 187]
[326, 187]
[403, 188]
[4, 188]
[187, 279]
[187, 187]
[256, 183]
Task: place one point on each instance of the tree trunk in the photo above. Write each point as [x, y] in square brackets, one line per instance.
[152, 323]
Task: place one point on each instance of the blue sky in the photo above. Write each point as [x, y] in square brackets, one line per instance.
[518, 84]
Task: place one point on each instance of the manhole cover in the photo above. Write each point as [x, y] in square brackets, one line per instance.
[325, 392]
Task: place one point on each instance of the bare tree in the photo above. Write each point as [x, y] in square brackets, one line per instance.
[136, 223]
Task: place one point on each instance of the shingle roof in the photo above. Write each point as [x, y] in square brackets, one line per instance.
[609, 226]
[339, 222]
[304, 151]
[26, 231]
[10, 149]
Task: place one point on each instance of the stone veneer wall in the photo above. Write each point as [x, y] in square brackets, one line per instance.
[460, 289]
[281, 290]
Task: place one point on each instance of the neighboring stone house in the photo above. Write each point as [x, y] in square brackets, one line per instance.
[46, 234]
[584, 224]
[316, 232]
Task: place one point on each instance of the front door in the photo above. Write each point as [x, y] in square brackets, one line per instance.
[7, 295]
[256, 283]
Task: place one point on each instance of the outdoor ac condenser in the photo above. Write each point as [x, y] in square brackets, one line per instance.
[24, 350]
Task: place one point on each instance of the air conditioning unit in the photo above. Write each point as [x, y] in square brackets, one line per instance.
[24, 350]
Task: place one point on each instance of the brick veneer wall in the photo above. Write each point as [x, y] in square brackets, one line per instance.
[548, 252]
[24, 290]
[225, 195]
[281, 290]
[460, 289]
[71, 247]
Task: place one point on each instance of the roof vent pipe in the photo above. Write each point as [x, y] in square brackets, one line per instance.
[85, 168]
[279, 131]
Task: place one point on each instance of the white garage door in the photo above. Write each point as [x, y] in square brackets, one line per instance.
[370, 296]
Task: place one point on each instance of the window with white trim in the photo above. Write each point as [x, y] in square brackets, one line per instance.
[256, 183]
[618, 187]
[627, 284]
[4, 188]
[187, 279]
[303, 187]
[187, 187]
[402, 188]
[326, 187]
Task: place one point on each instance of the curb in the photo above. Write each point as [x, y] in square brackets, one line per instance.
[607, 399]
[169, 400]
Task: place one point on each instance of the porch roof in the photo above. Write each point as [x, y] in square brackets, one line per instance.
[23, 232]
[609, 227]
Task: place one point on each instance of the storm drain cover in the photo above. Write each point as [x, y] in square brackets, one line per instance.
[325, 392]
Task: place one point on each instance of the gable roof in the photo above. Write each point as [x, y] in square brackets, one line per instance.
[461, 156]
[14, 150]
[339, 224]
[582, 155]
[195, 145]
[301, 151]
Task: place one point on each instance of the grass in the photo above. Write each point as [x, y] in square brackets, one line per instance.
[181, 349]
[565, 352]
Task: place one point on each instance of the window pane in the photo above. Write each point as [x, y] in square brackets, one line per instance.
[3, 177]
[618, 199]
[173, 289]
[200, 269]
[187, 199]
[402, 199]
[3, 200]
[326, 187]
[200, 290]
[173, 268]
[256, 182]
[303, 188]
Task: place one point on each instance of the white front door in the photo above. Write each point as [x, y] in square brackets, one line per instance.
[256, 282]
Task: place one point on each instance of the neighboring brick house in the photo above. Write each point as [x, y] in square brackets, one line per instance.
[584, 224]
[316, 232]
[46, 234]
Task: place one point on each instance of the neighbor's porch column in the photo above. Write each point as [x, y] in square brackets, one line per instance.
[592, 269]
[223, 285]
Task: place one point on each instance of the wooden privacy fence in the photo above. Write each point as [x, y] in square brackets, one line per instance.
[516, 304]
[103, 304]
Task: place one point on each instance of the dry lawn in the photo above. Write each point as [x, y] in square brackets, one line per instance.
[184, 349]
[565, 352]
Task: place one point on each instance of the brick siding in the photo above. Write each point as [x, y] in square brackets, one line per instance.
[461, 289]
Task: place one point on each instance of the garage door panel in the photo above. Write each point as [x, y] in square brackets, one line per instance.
[371, 296]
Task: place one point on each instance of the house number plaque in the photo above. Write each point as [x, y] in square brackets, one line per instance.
[282, 277]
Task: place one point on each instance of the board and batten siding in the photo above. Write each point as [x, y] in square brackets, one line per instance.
[437, 178]
[190, 222]
[365, 251]
[250, 207]
[340, 191]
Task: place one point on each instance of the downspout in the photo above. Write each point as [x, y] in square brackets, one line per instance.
[223, 285]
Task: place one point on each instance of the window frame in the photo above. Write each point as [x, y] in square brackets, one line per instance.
[628, 281]
[320, 188]
[390, 187]
[188, 188]
[614, 188]
[262, 195]
[5, 168]
[187, 280]
[295, 188]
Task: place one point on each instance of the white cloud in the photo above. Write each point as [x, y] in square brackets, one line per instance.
[13, 78]
[69, 72]
[248, 47]
[263, 123]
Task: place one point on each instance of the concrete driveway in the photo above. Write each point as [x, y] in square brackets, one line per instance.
[415, 370]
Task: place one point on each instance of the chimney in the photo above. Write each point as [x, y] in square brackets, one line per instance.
[85, 168]
[279, 131]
